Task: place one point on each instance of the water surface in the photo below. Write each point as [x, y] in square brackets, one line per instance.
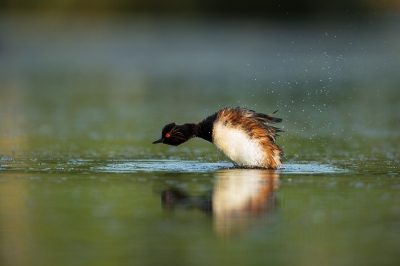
[82, 101]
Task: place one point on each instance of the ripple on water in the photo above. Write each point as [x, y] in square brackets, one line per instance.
[162, 166]
[312, 168]
[195, 166]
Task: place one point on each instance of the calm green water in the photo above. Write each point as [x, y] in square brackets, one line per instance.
[82, 100]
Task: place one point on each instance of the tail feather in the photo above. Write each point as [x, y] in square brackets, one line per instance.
[268, 118]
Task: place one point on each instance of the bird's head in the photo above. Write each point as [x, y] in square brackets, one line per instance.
[173, 134]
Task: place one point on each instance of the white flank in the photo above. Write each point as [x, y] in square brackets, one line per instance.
[237, 146]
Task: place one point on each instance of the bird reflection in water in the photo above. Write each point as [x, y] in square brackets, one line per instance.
[240, 198]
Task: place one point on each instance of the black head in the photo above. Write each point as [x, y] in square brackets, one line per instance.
[173, 134]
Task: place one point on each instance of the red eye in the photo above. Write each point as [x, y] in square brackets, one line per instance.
[167, 135]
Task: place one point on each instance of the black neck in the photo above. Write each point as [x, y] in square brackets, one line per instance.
[204, 129]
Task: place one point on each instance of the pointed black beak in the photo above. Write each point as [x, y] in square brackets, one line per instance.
[159, 141]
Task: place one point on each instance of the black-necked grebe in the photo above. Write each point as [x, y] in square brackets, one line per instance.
[242, 135]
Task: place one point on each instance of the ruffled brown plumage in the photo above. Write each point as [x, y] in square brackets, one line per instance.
[255, 125]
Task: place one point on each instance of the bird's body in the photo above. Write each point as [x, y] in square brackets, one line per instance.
[242, 135]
